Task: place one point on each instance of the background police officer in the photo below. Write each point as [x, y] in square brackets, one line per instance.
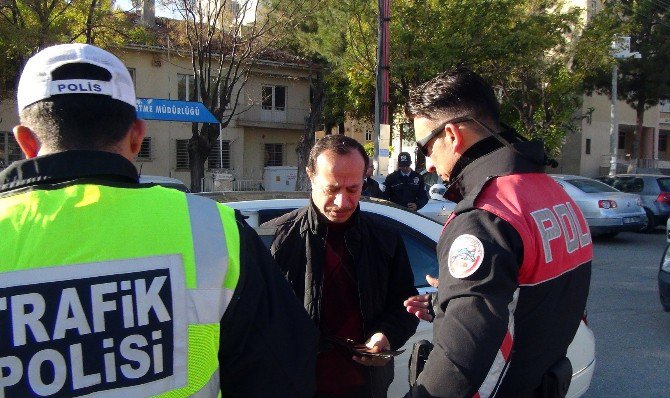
[405, 186]
[162, 291]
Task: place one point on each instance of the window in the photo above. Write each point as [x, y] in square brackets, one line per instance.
[186, 89]
[590, 186]
[420, 249]
[219, 155]
[368, 135]
[622, 140]
[662, 143]
[181, 154]
[145, 149]
[588, 146]
[132, 75]
[274, 154]
[665, 106]
[9, 149]
[274, 98]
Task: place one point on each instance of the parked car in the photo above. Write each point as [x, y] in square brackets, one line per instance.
[654, 190]
[168, 182]
[608, 211]
[420, 235]
[664, 273]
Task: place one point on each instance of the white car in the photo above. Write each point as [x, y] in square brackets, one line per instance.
[420, 235]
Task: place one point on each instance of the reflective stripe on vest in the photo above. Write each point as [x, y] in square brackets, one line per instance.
[119, 291]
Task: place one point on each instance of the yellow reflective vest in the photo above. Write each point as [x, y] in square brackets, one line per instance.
[113, 292]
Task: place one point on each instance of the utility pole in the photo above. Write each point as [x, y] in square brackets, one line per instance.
[620, 50]
[382, 97]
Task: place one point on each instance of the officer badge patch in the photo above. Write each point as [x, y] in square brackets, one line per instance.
[465, 256]
[416, 180]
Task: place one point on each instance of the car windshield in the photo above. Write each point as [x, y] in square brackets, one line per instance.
[590, 186]
[664, 184]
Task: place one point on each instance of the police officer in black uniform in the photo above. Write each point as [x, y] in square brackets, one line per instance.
[515, 255]
[405, 186]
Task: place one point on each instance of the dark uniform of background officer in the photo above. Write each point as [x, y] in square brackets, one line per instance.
[79, 131]
[515, 257]
[405, 186]
[370, 186]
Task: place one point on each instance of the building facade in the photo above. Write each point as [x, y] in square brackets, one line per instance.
[268, 123]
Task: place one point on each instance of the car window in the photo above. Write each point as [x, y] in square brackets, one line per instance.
[664, 184]
[420, 249]
[628, 184]
[590, 186]
[270, 214]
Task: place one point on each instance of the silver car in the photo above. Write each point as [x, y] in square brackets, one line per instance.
[608, 211]
[654, 189]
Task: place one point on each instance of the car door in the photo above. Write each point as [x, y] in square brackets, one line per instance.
[423, 259]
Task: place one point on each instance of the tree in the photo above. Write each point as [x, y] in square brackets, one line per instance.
[225, 40]
[641, 82]
[524, 47]
[28, 26]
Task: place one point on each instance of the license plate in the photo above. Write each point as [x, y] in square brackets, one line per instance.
[629, 220]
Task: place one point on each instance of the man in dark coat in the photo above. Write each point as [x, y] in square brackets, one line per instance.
[370, 186]
[405, 186]
[351, 274]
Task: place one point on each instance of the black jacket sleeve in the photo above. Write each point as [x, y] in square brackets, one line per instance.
[473, 315]
[268, 343]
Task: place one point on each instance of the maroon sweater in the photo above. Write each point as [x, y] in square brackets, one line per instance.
[336, 372]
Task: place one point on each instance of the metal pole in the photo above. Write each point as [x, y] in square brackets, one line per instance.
[614, 126]
[382, 90]
[378, 92]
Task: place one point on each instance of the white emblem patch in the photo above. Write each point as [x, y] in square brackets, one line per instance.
[465, 256]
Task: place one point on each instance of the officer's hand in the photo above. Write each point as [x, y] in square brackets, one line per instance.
[411, 206]
[377, 343]
[420, 305]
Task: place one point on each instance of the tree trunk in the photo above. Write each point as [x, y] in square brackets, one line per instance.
[311, 122]
[198, 150]
[635, 151]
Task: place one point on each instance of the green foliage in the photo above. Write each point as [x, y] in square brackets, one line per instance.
[370, 149]
[26, 26]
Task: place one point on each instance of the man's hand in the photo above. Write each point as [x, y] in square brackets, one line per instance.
[411, 206]
[420, 305]
[377, 343]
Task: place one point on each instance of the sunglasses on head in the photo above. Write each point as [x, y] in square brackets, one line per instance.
[421, 144]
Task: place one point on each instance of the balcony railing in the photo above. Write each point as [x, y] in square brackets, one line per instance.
[624, 161]
[257, 115]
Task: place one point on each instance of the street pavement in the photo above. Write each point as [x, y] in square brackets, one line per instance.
[631, 329]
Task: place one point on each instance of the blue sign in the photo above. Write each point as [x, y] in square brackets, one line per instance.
[179, 111]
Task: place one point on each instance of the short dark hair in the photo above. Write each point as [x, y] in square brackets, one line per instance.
[340, 144]
[456, 93]
[79, 121]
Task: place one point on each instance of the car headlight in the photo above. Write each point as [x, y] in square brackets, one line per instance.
[665, 261]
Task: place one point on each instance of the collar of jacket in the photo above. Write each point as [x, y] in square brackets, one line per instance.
[317, 224]
[67, 166]
[526, 157]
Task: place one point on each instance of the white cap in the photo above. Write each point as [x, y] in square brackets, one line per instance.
[36, 82]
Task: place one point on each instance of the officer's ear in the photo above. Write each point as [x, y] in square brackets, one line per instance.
[457, 137]
[27, 140]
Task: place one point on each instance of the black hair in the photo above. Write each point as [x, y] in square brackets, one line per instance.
[341, 145]
[456, 93]
[79, 121]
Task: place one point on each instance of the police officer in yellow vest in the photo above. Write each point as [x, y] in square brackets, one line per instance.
[115, 289]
